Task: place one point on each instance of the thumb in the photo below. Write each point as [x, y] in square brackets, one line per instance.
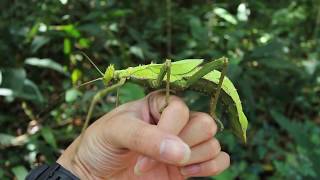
[147, 139]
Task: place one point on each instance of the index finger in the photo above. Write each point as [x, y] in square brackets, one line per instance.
[172, 120]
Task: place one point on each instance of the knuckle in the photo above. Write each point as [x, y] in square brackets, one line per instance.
[213, 168]
[178, 105]
[216, 168]
[208, 125]
[215, 147]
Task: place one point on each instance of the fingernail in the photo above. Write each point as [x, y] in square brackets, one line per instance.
[190, 170]
[174, 151]
[142, 165]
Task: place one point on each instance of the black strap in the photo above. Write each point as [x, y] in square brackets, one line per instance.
[53, 172]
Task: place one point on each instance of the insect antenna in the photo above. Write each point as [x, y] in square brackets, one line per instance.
[89, 82]
[95, 66]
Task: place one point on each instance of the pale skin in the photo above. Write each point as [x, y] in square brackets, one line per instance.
[135, 141]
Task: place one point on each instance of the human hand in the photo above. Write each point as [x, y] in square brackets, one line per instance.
[135, 141]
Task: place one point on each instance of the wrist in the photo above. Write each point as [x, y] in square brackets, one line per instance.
[73, 167]
[70, 161]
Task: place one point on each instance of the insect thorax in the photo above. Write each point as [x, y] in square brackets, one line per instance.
[109, 74]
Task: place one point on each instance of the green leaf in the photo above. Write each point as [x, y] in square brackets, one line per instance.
[38, 42]
[130, 92]
[84, 43]
[224, 14]
[33, 31]
[225, 175]
[76, 75]
[48, 136]
[72, 95]
[135, 50]
[30, 91]
[6, 139]
[198, 31]
[45, 63]
[294, 129]
[67, 46]
[13, 78]
[2, 173]
[71, 30]
[20, 172]
[271, 49]
[16, 84]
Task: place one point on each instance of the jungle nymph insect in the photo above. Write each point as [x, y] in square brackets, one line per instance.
[191, 74]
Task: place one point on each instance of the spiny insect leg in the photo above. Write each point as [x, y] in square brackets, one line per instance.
[215, 97]
[162, 73]
[207, 68]
[165, 70]
[98, 97]
[168, 64]
[117, 97]
[213, 115]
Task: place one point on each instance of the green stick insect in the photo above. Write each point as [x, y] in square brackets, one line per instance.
[192, 74]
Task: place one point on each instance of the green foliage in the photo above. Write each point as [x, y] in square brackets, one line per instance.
[273, 47]
[20, 172]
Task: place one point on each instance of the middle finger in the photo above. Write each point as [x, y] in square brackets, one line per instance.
[200, 128]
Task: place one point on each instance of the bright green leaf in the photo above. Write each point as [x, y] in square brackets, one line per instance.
[84, 43]
[76, 75]
[71, 30]
[67, 46]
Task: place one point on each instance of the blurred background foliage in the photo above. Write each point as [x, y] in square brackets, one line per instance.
[273, 48]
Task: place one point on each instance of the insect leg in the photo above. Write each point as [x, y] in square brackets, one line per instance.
[215, 97]
[117, 97]
[165, 70]
[217, 64]
[206, 68]
[96, 98]
[213, 103]
[168, 64]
